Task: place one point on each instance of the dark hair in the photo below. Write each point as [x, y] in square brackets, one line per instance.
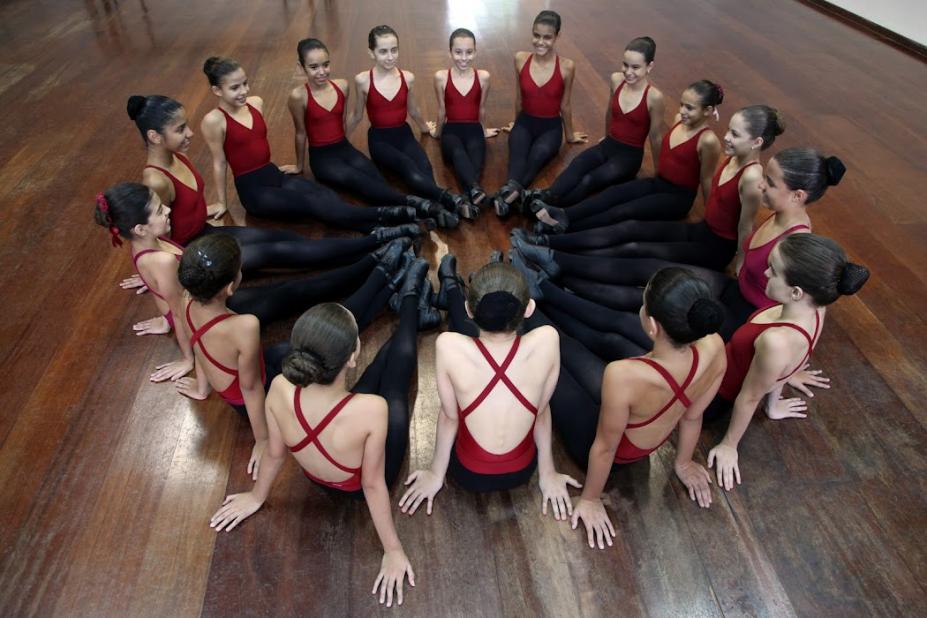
[709, 93]
[217, 68]
[763, 121]
[307, 45]
[643, 45]
[126, 205]
[819, 266]
[810, 171]
[498, 295]
[151, 112]
[379, 31]
[549, 18]
[460, 33]
[208, 264]
[682, 304]
[322, 341]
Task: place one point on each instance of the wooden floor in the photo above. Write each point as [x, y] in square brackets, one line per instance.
[108, 481]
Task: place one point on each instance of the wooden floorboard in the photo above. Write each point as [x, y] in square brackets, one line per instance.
[108, 481]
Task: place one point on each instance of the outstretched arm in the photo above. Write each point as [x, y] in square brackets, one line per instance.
[414, 113]
[213, 128]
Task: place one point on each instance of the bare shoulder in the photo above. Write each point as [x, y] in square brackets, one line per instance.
[567, 65]
[484, 76]
[409, 76]
[245, 327]
[654, 95]
[751, 175]
[213, 120]
[708, 139]
[441, 75]
[543, 336]
[521, 58]
[280, 392]
[447, 342]
[298, 95]
[627, 374]
[615, 79]
[157, 181]
[342, 84]
[362, 78]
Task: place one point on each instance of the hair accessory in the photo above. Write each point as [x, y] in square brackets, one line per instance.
[496, 309]
[207, 261]
[114, 236]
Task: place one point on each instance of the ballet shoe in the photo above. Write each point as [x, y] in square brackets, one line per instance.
[447, 219]
[428, 316]
[448, 279]
[476, 194]
[532, 276]
[523, 235]
[389, 255]
[424, 208]
[390, 215]
[386, 234]
[533, 196]
[559, 215]
[542, 257]
[503, 206]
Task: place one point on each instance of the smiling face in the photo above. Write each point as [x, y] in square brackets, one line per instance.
[176, 135]
[776, 287]
[691, 111]
[737, 139]
[159, 222]
[234, 88]
[634, 67]
[776, 194]
[386, 52]
[463, 50]
[317, 66]
[543, 37]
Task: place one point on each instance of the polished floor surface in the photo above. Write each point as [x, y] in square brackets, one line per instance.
[108, 480]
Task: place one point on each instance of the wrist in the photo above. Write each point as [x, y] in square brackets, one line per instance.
[729, 442]
[392, 547]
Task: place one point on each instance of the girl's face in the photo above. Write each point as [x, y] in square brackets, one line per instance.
[776, 287]
[776, 195]
[634, 67]
[159, 221]
[737, 140]
[234, 88]
[317, 66]
[176, 135]
[386, 53]
[543, 38]
[691, 111]
[463, 50]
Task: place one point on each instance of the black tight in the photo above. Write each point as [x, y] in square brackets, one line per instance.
[608, 333]
[267, 192]
[274, 248]
[607, 163]
[618, 283]
[646, 199]
[279, 300]
[577, 398]
[389, 376]
[673, 241]
[464, 146]
[533, 142]
[397, 150]
[345, 167]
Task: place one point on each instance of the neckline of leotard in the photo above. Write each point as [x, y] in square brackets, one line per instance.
[639, 103]
[312, 433]
[450, 81]
[552, 75]
[169, 174]
[797, 226]
[669, 136]
[254, 114]
[809, 338]
[136, 256]
[402, 83]
[740, 170]
[338, 96]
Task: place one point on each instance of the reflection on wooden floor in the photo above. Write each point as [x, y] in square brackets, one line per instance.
[108, 481]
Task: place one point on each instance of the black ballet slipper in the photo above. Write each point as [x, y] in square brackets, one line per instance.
[477, 195]
[386, 234]
[389, 255]
[392, 215]
[559, 215]
[532, 276]
[542, 257]
[525, 236]
[448, 279]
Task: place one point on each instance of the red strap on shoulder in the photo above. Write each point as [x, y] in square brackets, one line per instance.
[499, 376]
[679, 393]
[312, 435]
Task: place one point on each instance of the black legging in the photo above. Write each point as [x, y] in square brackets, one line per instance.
[397, 150]
[267, 192]
[577, 398]
[463, 144]
[533, 142]
[608, 333]
[618, 283]
[389, 376]
[275, 248]
[645, 199]
[607, 163]
[674, 241]
[345, 167]
[280, 300]
[459, 322]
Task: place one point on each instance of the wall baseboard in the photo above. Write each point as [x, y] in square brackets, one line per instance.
[861, 23]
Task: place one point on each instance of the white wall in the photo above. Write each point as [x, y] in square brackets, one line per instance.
[905, 17]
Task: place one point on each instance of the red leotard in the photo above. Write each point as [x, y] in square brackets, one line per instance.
[246, 149]
[627, 451]
[387, 113]
[722, 212]
[680, 164]
[232, 393]
[324, 127]
[752, 278]
[631, 128]
[169, 316]
[459, 107]
[474, 457]
[353, 483]
[188, 210]
[740, 351]
[541, 101]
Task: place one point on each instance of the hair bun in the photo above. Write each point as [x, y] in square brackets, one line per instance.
[852, 278]
[835, 170]
[778, 124]
[134, 105]
[705, 316]
[302, 367]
